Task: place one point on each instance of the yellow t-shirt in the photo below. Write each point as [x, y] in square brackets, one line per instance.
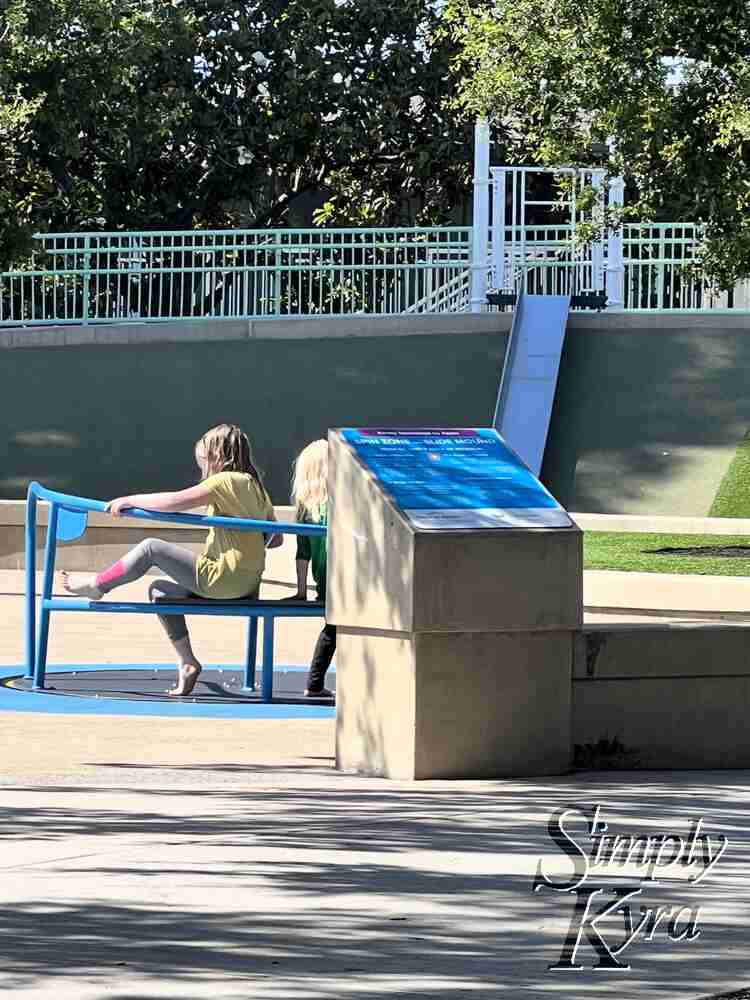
[232, 562]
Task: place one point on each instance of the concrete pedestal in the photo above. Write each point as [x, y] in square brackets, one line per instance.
[455, 648]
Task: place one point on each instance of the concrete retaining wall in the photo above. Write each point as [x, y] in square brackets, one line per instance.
[673, 696]
[104, 412]
[649, 409]
[104, 541]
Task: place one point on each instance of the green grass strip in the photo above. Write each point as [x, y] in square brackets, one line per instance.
[634, 553]
[733, 496]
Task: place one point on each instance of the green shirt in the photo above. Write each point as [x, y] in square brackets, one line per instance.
[313, 550]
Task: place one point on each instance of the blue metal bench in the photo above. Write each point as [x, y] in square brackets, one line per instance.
[67, 521]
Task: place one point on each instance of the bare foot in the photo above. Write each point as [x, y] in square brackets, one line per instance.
[82, 585]
[323, 693]
[188, 677]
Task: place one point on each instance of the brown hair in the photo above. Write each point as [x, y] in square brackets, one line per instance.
[227, 449]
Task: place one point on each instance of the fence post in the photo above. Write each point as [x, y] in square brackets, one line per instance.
[615, 258]
[502, 278]
[86, 279]
[277, 285]
[597, 249]
[480, 217]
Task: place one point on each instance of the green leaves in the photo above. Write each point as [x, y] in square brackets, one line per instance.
[137, 113]
[669, 81]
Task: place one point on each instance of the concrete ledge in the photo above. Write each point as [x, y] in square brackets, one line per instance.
[717, 595]
[324, 327]
[107, 334]
[673, 696]
[647, 524]
[280, 328]
[675, 649]
[423, 324]
[707, 321]
[105, 539]
[13, 513]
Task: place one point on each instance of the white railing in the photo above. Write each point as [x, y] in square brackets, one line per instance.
[450, 297]
[544, 260]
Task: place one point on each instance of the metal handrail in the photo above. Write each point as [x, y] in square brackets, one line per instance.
[84, 505]
[36, 640]
[238, 274]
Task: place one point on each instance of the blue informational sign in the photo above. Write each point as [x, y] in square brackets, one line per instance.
[455, 478]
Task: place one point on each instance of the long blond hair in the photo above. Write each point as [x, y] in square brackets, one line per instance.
[310, 479]
[227, 449]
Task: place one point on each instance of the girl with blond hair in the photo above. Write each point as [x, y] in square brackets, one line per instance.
[231, 563]
[310, 497]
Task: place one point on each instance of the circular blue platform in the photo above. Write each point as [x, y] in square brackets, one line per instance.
[134, 689]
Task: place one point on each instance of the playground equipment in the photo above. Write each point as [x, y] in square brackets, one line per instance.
[67, 522]
[516, 252]
[529, 379]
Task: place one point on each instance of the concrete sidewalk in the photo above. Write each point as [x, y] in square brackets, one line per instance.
[201, 859]
[209, 872]
[663, 525]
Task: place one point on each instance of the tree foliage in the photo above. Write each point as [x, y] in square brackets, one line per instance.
[668, 81]
[144, 114]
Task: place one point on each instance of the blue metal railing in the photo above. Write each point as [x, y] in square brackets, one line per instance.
[67, 521]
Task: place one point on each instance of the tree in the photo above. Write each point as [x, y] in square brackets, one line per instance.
[138, 114]
[668, 81]
[16, 215]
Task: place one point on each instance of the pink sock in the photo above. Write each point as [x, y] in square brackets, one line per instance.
[115, 571]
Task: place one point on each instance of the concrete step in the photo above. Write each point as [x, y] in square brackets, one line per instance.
[717, 596]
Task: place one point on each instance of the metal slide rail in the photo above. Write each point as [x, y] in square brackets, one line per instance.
[67, 519]
[532, 361]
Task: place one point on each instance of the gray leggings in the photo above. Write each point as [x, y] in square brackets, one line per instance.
[179, 563]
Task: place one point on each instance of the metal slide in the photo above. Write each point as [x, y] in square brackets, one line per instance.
[529, 379]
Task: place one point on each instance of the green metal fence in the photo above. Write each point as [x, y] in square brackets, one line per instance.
[662, 270]
[230, 274]
[83, 278]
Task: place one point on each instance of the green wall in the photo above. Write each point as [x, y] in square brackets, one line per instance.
[646, 420]
[102, 421]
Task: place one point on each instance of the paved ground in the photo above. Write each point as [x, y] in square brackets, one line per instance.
[190, 871]
[223, 858]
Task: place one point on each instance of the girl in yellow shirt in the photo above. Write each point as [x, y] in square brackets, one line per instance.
[231, 563]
